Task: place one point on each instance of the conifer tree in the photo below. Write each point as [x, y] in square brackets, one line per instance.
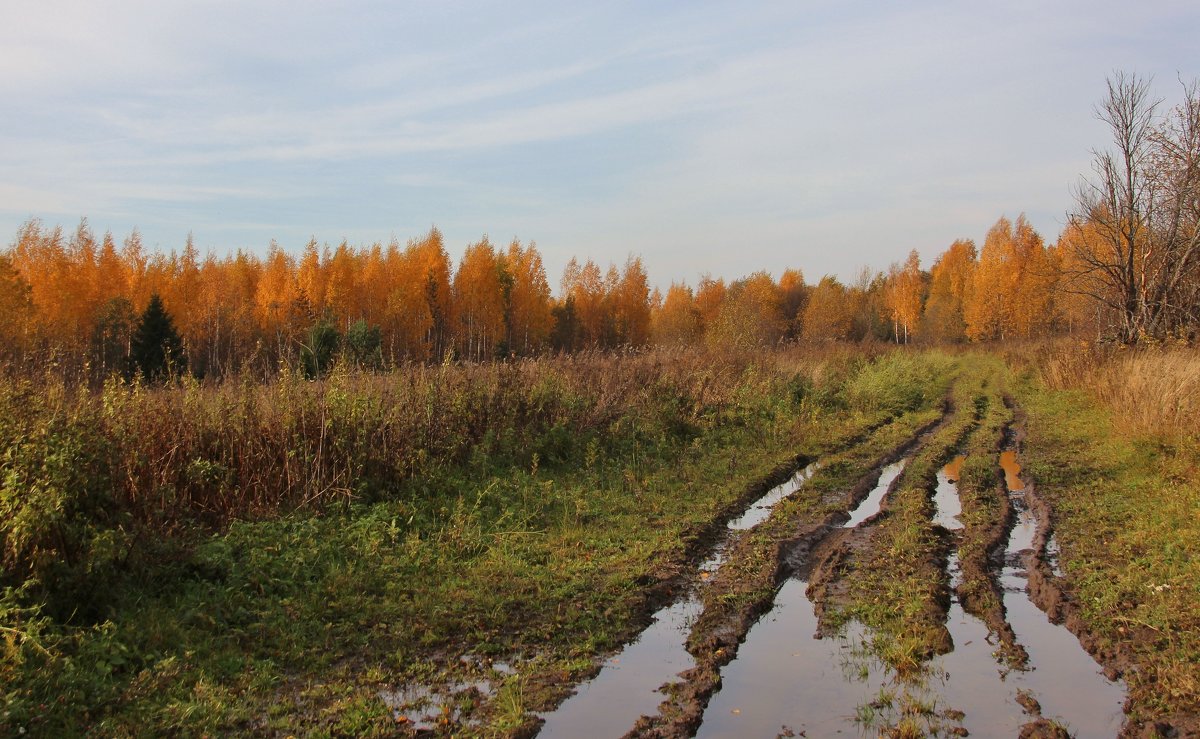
[157, 350]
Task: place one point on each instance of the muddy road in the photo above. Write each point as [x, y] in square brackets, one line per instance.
[883, 590]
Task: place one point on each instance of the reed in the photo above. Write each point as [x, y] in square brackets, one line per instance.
[1152, 391]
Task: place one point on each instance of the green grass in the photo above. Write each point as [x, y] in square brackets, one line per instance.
[1128, 525]
[523, 515]
[293, 622]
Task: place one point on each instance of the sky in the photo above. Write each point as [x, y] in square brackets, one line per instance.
[705, 137]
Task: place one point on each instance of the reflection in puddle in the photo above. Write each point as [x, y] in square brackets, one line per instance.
[874, 500]
[1062, 676]
[760, 510]
[427, 707]
[1012, 471]
[627, 686]
[945, 496]
[784, 676]
[1052, 555]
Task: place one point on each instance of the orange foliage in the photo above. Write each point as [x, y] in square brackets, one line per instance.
[479, 300]
[829, 314]
[951, 280]
[677, 321]
[74, 301]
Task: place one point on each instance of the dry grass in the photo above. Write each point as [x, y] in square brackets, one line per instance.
[1150, 391]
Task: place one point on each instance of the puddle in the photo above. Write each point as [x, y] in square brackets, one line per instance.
[945, 496]
[760, 510]
[874, 500]
[427, 707]
[627, 686]
[1063, 677]
[786, 677]
[1012, 471]
[1052, 556]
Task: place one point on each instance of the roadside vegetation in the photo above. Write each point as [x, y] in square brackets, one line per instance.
[1114, 444]
[270, 556]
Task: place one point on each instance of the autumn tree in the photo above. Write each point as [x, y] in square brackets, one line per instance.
[1012, 291]
[630, 301]
[793, 295]
[750, 315]
[903, 296]
[408, 319]
[677, 321]
[1034, 278]
[951, 279]
[16, 308]
[584, 287]
[274, 297]
[479, 302]
[988, 312]
[1141, 206]
[828, 314]
[529, 317]
[710, 293]
[866, 304]
[112, 339]
[1076, 308]
[431, 262]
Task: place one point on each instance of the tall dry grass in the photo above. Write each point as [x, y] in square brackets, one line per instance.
[1152, 391]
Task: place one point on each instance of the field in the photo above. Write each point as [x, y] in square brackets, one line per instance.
[455, 549]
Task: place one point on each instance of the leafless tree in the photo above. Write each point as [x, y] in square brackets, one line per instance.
[1136, 242]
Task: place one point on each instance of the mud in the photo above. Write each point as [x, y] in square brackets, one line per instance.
[759, 660]
[738, 597]
[981, 555]
[948, 506]
[1056, 672]
[628, 683]
[673, 584]
[429, 707]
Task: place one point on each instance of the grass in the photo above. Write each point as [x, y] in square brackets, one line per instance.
[897, 586]
[1127, 503]
[268, 557]
[1150, 392]
[235, 602]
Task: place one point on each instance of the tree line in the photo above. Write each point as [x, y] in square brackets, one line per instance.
[1126, 267]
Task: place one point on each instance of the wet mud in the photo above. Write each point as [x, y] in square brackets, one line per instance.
[739, 596]
[628, 683]
[748, 652]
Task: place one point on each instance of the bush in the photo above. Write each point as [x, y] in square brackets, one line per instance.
[58, 518]
[896, 382]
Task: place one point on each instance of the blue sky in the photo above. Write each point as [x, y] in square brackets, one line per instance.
[706, 137]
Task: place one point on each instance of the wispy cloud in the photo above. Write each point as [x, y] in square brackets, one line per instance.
[818, 135]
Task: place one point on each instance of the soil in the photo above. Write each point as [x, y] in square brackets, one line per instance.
[981, 556]
[738, 596]
[821, 552]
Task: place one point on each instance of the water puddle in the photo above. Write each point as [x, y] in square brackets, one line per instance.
[787, 678]
[627, 686]
[1052, 555]
[874, 500]
[1065, 680]
[760, 510]
[429, 707]
[788, 681]
[945, 496]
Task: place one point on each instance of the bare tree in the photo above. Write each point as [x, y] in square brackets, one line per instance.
[1141, 212]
